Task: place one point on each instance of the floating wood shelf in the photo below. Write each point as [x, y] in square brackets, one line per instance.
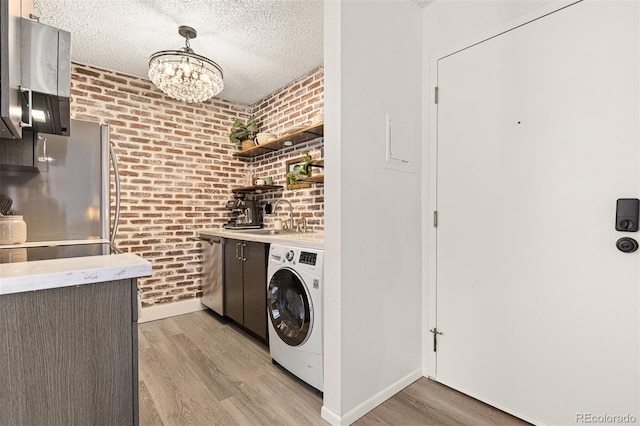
[303, 135]
[312, 179]
[255, 188]
[315, 178]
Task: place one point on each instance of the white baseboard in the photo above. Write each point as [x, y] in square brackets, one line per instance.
[330, 416]
[371, 403]
[166, 310]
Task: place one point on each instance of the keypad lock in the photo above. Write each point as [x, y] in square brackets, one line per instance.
[627, 212]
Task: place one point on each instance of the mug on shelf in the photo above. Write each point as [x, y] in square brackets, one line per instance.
[264, 137]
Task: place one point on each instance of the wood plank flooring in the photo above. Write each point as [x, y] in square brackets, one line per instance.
[199, 369]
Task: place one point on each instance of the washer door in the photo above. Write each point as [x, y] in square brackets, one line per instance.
[289, 307]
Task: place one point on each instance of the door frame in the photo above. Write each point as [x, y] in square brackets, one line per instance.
[430, 173]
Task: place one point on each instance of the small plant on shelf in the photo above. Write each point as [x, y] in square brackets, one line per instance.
[299, 169]
[244, 132]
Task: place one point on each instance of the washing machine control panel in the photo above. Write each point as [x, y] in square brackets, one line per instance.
[289, 256]
[308, 258]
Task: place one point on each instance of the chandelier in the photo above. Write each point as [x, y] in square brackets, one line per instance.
[184, 75]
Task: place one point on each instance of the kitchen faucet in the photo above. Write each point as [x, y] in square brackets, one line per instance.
[290, 211]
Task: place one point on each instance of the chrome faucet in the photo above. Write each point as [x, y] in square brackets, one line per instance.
[290, 211]
[302, 224]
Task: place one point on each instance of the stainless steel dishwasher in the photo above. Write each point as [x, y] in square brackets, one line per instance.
[212, 273]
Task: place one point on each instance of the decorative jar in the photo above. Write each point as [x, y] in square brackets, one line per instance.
[13, 230]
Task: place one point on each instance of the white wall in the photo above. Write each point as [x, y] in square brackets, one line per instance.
[373, 53]
[448, 25]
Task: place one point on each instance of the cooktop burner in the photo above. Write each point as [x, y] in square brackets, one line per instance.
[26, 254]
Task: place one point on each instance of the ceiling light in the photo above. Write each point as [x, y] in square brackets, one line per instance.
[184, 75]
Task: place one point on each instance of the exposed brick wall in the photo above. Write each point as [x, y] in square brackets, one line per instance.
[177, 167]
[298, 103]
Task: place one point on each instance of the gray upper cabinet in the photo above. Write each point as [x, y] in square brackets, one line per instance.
[10, 69]
[35, 73]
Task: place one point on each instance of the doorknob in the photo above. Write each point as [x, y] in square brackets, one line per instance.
[627, 245]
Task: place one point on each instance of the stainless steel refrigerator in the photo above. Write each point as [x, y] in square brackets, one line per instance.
[69, 198]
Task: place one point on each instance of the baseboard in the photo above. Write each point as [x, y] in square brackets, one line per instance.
[330, 416]
[371, 403]
[166, 310]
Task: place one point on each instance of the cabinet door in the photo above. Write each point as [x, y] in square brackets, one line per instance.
[255, 288]
[20, 154]
[10, 70]
[68, 355]
[233, 288]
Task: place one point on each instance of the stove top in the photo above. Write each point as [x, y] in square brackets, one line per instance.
[26, 254]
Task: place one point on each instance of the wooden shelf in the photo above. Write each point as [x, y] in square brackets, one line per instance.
[318, 163]
[312, 179]
[297, 137]
[255, 188]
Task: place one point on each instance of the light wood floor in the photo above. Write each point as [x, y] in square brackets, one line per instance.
[198, 369]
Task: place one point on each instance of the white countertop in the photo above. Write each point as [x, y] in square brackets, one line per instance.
[312, 240]
[46, 274]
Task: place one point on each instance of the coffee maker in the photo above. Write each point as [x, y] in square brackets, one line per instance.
[244, 215]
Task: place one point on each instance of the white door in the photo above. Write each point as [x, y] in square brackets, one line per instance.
[538, 136]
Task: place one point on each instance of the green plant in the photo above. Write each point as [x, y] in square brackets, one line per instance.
[241, 131]
[300, 169]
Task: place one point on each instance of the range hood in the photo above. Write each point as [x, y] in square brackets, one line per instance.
[46, 77]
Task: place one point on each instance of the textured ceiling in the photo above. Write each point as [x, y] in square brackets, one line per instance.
[260, 44]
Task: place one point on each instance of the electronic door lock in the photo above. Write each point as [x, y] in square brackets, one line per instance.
[627, 212]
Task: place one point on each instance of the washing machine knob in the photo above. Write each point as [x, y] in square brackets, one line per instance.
[289, 255]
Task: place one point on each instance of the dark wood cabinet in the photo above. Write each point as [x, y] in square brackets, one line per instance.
[70, 355]
[245, 280]
[20, 154]
[233, 281]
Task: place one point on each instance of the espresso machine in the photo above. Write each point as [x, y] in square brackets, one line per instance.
[244, 214]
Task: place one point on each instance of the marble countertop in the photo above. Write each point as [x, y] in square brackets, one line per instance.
[34, 275]
[313, 240]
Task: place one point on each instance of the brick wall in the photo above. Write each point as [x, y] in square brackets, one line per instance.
[177, 166]
[296, 104]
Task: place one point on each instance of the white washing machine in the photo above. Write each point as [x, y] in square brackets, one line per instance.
[294, 306]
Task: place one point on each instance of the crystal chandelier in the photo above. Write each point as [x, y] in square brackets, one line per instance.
[184, 75]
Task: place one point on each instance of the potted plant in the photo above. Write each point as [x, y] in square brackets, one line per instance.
[299, 169]
[244, 133]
